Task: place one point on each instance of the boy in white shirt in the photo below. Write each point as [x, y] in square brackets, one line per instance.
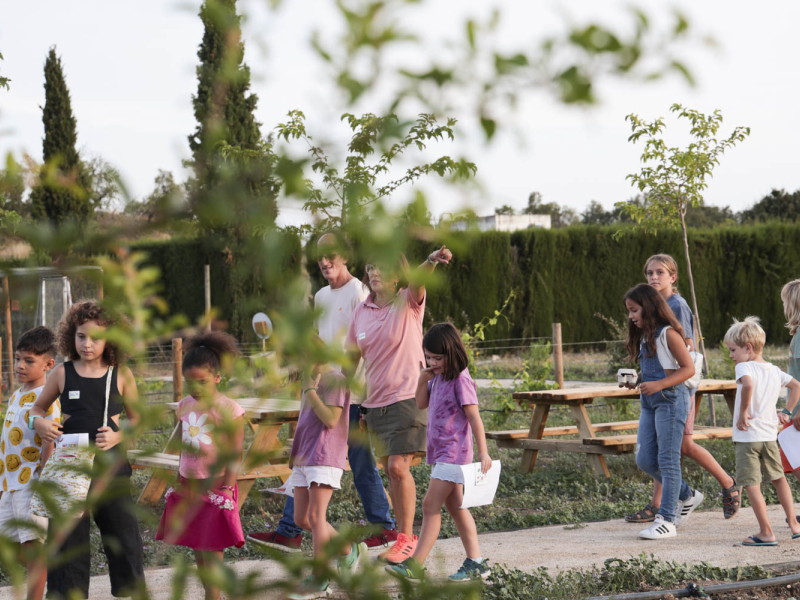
[755, 425]
[24, 454]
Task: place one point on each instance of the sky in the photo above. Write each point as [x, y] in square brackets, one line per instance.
[130, 67]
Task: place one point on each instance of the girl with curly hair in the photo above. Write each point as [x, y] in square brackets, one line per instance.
[80, 384]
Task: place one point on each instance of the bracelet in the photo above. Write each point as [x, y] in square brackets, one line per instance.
[305, 391]
[226, 487]
[433, 262]
[786, 411]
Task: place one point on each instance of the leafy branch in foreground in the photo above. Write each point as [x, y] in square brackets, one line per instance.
[481, 69]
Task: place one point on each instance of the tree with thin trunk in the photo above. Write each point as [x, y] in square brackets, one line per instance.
[59, 194]
[674, 179]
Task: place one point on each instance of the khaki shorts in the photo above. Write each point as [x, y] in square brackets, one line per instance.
[754, 459]
[16, 506]
[400, 428]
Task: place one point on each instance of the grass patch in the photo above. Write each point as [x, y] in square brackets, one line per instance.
[615, 577]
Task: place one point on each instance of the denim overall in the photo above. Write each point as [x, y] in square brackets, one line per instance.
[661, 424]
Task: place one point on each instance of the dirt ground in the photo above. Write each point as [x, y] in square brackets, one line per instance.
[705, 537]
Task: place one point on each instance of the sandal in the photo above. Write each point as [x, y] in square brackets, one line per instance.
[731, 502]
[646, 515]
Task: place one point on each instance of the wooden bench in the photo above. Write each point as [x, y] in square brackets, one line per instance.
[700, 433]
[513, 434]
[142, 459]
[577, 399]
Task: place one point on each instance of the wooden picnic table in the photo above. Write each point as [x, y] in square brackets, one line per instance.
[595, 447]
[264, 457]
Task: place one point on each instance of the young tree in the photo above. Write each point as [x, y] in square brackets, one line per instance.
[504, 210]
[344, 195]
[224, 110]
[673, 179]
[59, 195]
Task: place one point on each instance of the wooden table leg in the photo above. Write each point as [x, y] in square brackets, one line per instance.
[586, 430]
[265, 440]
[157, 484]
[538, 421]
[730, 399]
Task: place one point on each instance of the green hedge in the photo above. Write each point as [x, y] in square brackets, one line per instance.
[570, 274]
[564, 276]
[244, 280]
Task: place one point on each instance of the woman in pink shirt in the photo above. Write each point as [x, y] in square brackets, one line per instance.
[386, 331]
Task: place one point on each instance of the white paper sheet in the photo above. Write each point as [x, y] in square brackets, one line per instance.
[81, 440]
[480, 488]
[287, 488]
[789, 439]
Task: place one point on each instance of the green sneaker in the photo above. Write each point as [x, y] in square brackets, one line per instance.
[349, 563]
[408, 569]
[311, 587]
[471, 570]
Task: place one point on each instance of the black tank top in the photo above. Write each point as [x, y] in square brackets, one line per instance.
[84, 399]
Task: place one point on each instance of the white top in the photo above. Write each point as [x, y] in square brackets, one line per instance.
[767, 383]
[337, 307]
[22, 447]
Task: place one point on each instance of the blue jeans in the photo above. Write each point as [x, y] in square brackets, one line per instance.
[658, 446]
[368, 484]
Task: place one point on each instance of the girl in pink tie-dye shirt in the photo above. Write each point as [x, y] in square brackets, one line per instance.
[446, 389]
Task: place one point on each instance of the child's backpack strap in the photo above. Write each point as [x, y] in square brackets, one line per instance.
[665, 357]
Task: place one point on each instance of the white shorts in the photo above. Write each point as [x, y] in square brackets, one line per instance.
[323, 475]
[447, 472]
[16, 506]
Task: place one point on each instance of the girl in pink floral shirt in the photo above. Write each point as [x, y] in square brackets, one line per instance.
[202, 512]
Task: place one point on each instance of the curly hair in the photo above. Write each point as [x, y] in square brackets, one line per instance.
[78, 314]
[209, 350]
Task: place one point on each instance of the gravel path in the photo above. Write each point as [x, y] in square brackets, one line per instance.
[705, 537]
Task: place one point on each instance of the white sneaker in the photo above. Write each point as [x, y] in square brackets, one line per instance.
[687, 507]
[658, 530]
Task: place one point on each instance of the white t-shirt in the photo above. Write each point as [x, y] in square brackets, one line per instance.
[22, 447]
[767, 383]
[337, 307]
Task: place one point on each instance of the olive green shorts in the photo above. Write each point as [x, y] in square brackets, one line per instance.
[754, 459]
[400, 428]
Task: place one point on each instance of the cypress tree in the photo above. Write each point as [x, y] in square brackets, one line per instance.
[58, 196]
[227, 194]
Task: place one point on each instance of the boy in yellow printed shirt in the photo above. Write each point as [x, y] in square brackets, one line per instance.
[24, 455]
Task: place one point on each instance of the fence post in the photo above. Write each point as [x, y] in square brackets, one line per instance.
[207, 279]
[558, 356]
[177, 374]
[9, 334]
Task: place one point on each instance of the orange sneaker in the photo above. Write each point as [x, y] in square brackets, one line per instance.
[403, 548]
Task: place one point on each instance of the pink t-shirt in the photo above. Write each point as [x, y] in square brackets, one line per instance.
[315, 444]
[390, 341]
[449, 431]
[198, 425]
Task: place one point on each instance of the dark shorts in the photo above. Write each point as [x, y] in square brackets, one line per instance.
[400, 428]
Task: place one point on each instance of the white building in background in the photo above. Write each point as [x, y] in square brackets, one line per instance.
[506, 222]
